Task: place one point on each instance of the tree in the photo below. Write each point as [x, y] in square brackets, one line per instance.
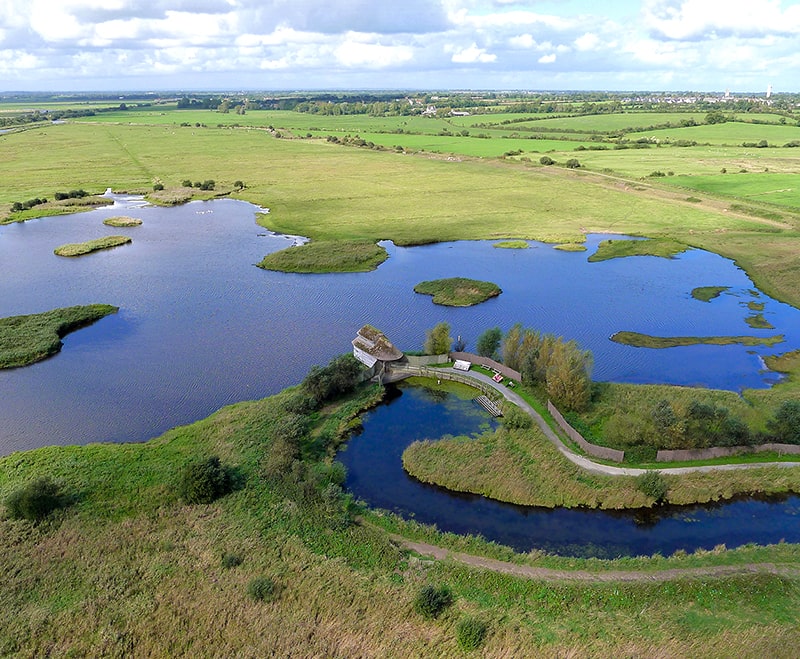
[511, 347]
[573, 163]
[204, 481]
[546, 160]
[568, 376]
[489, 342]
[438, 339]
[785, 425]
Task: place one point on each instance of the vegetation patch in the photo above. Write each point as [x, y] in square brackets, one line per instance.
[614, 249]
[79, 249]
[511, 244]
[708, 293]
[35, 500]
[458, 291]
[31, 338]
[570, 247]
[319, 257]
[122, 221]
[757, 321]
[638, 340]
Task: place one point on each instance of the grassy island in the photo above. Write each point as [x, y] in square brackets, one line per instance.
[570, 247]
[638, 340]
[511, 244]
[324, 256]
[458, 291]
[122, 221]
[79, 249]
[614, 249]
[708, 293]
[31, 338]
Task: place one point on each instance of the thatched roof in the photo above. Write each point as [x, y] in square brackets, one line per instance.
[373, 345]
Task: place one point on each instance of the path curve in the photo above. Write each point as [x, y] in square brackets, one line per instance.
[553, 575]
[584, 462]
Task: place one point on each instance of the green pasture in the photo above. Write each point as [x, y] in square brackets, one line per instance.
[467, 146]
[773, 188]
[687, 161]
[608, 123]
[730, 133]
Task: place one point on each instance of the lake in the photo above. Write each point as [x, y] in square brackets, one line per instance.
[200, 326]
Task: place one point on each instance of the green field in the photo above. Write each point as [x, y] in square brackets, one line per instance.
[128, 569]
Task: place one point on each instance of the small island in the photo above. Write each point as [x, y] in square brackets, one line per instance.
[320, 257]
[122, 221]
[31, 338]
[638, 340]
[79, 249]
[708, 293]
[458, 291]
[614, 249]
[570, 247]
[511, 244]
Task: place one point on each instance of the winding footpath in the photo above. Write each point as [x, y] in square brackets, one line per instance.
[583, 461]
[585, 576]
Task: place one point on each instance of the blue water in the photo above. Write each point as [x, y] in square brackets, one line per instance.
[376, 476]
[200, 327]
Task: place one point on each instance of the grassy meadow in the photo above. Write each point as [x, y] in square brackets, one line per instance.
[129, 569]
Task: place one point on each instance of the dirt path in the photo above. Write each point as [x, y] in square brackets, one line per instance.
[548, 574]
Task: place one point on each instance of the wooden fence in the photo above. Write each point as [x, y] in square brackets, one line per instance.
[592, 449]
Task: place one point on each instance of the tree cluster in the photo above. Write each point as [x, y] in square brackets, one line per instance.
[562, 367]
[340, 376]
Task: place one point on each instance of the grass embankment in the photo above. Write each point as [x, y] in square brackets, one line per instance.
[155, 575]
[122, 221]
[326, 256]
[31, 338]
[79, 249]
[638, 340]
[62, 207]
[458, 291]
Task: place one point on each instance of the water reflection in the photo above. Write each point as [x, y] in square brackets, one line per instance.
[375, 475]
[200, 327]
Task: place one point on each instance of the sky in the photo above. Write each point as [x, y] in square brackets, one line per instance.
[241, 45]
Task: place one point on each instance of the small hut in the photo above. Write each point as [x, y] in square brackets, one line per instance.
[375, 351]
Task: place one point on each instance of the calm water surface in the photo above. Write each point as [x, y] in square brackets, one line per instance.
[375, 474]
[200, 326]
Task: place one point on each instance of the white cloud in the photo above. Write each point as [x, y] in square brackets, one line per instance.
[587, 41]
[354, 53]
[547, 59]
[695, 19]
[473, 55]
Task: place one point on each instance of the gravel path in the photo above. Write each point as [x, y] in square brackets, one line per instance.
[586, 463]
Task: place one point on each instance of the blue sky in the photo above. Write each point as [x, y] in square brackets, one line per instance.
[150, 45]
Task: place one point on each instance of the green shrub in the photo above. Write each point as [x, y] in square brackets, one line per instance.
[471, 633]
[262, 589]
[432, 600]
[35, 500]
[231, 560]
[653, 485]
[204, 481]
[546, 160]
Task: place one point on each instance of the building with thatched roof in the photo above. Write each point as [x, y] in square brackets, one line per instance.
[374, 350]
